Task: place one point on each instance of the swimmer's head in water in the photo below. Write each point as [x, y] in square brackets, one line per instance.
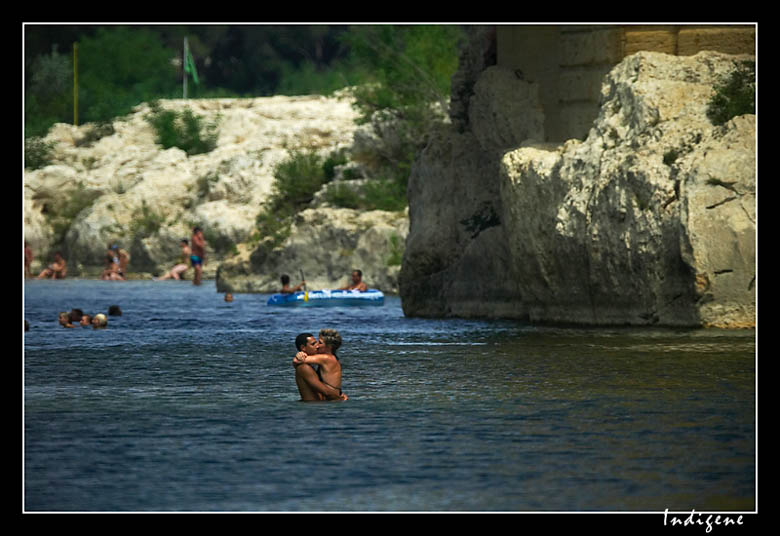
[99, 321]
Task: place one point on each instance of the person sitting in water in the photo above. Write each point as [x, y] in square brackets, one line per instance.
[325, 382]
[286, 289]
[99, 321]
[357, 282]
[86, 320]
[56, 270]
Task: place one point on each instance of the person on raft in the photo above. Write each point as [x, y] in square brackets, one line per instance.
[287, 289]
[357, 282]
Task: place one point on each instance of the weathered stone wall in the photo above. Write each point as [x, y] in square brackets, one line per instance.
[649, 220]
[569, 62]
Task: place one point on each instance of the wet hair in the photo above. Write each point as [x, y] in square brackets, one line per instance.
[76, 314]
[114, 310]
[331, 338]
[301, 340]
[184, 241]
[102, 321]
[285, 279]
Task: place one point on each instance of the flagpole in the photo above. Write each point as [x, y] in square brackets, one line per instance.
[184, 69]
[75, 84]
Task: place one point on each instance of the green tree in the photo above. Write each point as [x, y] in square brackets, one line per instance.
[118, 67]
[121, 67]
[404, 74]
[48, 92]
[404, 68]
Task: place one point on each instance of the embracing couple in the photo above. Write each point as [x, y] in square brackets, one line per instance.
[324, 382]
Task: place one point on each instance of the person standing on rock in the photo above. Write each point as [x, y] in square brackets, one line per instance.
[198, 256]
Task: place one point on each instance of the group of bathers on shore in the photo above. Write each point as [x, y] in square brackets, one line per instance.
[117, 260]
[194, 253]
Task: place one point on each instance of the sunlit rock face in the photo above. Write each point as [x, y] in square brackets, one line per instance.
[651, 219]
[126, 189]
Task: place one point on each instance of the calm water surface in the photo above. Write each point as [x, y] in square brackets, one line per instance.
[189, 403]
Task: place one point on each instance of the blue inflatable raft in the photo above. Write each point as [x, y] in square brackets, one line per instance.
[329, 298]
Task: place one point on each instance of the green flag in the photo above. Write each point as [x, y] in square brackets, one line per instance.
[189, 67]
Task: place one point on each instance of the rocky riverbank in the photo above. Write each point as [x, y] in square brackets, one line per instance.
[649, 220]
[124, 188]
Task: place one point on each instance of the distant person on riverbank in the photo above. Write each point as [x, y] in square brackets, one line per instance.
[28, 258]
[198, 254]
[117, 260]
[56, 270]
[357, 282]
[178, 270]
[323, 383]
[286, 288]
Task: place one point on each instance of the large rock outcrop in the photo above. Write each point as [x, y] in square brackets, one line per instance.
[124, 188]
[324, 246]
[650, 220]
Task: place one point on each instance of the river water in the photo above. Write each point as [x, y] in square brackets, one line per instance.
[188, 403]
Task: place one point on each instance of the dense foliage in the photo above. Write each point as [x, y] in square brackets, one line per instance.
[399, 75]
[735, 96]
[297, 180]
[185, 130]
[119, 66]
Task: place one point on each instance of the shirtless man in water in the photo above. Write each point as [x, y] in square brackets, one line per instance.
[357, 282]
[197, 254]
[324, 383]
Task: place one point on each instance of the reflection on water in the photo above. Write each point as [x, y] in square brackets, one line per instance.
[189, 403]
